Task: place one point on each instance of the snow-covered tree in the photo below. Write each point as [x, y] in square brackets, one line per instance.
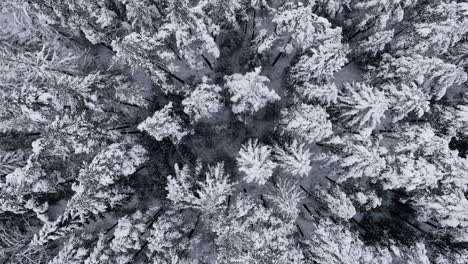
[439, 28]
[421, 151]
[166, 32]
[249, 92]
[360, 159]
[321, 52]
[179, 186]
[11, 160]
[165, 123]
[459, 257]
[306, 29]
[121, 247]
[15, 234]
[324, 93]
[456, 54]
[410, 173]
[366, 200]
[225, 13]
[98, 253]
[448, 208]
[361, 107]
[55, 158]
[405, 100]
[335, 201]
[332, 8]
[185, 27]
[168, 239]
[19, 26]
[308, 122]
[73, 251]
[376, 42]
[334, 244]
[371, 16]
[92, 18]
[255, 161]
[41, 84]
[286, 197]
[127, 239]
[97, 190]
[416, 254]
[211, 195]
[294, 158]
[250, 233]
[136, 51]
[433, 76]
[319, 64]
[462, 115]
[142, 14]
[204, 101]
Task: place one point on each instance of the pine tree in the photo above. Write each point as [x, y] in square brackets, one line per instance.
[20, 27]
[211, 194]
[457, 54]
[255, 161]
[416, 254]
[320, 50]
[441, 25]
[249, 92]
[122, 246]
[43, 83]
[323, 93]
[293, 158]
[431, 75]
[333, 244]
[142, 15]
[332, 8]
[361, 107]
[356, 158]
[15, 233]
[365, 201]
[192, 35]
[204, 101]
[136, 51]
[373, 16]
[64, 141]
[250, 233]
[462, 115]
[319, 64]
[335, 201]
[286, 197]
[306, 29]
[452, 257]
[410, 173]
[168, 239]
[421, 147]
[179, 186]
[11, 160]
[165, 123]
[72, 251]
[225, 13]
[405, 100]
[448, 207]
[95, 19]
[127, 239]
[97, 190]
[308, 122]
[83, 81]
[375, 43]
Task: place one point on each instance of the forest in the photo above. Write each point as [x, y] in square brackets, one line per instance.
[233, 131]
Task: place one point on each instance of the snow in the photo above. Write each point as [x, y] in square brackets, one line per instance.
[233, 132]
